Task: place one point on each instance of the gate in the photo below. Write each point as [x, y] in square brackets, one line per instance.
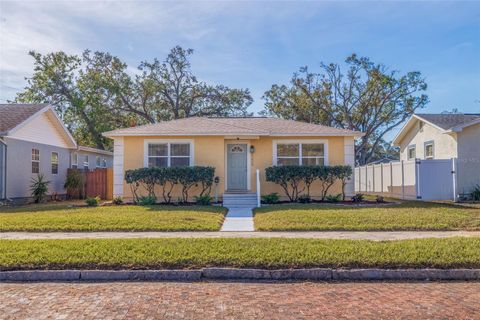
[97, 182]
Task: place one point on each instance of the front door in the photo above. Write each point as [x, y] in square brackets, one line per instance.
[236, 166]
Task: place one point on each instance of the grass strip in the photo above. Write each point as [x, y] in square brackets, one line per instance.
[241, 253]
[111, 218]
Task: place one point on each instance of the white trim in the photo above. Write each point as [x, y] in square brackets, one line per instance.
[118, 173]
[249, 162]
[146, 142]
[72, 155]
[51, 162]
[300, 142]
[349, 160]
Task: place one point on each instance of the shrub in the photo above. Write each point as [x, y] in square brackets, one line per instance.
[39, 188]
[92, 201]
[304, 198]
[270, 198]
[75, 183]
[117, 200]
[147, 201]
[296, 179]
[204, 200]
[334, 198]
[475, 194]
[380, 199]
[358, 197]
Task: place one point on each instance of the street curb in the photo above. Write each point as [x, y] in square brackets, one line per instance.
[314, 274]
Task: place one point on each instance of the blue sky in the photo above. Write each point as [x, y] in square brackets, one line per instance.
[255, 44]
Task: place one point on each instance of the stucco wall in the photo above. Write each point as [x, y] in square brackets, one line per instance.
[210, 151]
[19, 167]
[468, 171]
[445, 144]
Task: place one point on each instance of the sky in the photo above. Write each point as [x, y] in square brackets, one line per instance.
[254, 44]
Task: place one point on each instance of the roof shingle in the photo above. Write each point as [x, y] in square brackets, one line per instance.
[13, 114]
[448, 121]
[233, 126]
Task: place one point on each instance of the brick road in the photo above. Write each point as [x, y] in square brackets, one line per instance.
[217, 300]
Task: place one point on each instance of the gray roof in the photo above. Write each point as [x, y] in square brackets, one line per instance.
[13, 114]
[447, 121]
[233, 126]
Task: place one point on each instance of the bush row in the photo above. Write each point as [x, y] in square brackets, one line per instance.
[168, 178]
[295, 180]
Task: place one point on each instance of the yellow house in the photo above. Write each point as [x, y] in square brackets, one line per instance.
[238, 148]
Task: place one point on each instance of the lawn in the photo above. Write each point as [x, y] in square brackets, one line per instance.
[234, 252]
[111, 218]
[409, 215]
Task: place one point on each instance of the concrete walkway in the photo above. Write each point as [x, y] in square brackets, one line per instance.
[353, 235]
[238, 219]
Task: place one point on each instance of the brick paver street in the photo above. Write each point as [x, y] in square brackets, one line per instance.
[219, 300]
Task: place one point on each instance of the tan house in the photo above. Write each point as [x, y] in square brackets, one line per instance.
[444, 136]
[236, 147]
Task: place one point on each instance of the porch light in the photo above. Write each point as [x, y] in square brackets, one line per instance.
[252, 149]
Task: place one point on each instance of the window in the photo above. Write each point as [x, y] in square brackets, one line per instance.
[85, 162]
[98, 162]
[104, 163]
[54, 162]
[429, 150]
[74, 161]
[411, 152]
[35, 161]
[304, 153]
[169, 154]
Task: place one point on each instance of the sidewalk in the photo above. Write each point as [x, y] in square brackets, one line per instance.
[353, 235]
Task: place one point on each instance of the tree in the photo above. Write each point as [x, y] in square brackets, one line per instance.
[94, 92]
[367, 98]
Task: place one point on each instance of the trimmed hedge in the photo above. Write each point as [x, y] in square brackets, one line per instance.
[168, 178]
[295, 180]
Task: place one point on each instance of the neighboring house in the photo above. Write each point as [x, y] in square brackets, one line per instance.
[33, 140]
[236, 147]
[444, 136]
[91, 158]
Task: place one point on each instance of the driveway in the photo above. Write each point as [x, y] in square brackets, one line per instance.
[218, 300]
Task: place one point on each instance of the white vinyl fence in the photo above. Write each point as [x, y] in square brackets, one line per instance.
[413, 179]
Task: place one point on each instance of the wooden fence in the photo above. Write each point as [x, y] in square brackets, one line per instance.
[97, 182]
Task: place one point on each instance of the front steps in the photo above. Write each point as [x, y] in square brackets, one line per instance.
[240, 200]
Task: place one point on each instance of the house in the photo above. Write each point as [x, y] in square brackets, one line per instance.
[34, 140]
[91, 158]
[444, 136]
[236, 147]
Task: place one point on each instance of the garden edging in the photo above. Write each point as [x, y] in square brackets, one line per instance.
[313, 274]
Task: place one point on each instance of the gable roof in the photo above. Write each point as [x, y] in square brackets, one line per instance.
[444, 122]
[14, 116]
[248, 126]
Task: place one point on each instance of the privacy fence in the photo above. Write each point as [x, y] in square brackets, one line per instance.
[413, 179]
[97, 182]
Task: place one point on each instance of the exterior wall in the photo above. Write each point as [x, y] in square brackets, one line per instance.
[468, 163]
[19, 167]
[41, 129]
[210, 151]
[445, 145]
[2, 169]
[92, 164]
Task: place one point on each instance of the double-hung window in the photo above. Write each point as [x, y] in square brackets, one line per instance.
[35, 161]
[54, 161]
[411, 152]
[429, 151]
[86, 162]
[169, 154]
[98, 162]
[104, 163]
[300, 153]
[74, 160]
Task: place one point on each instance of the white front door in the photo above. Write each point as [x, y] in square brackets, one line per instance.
[237, 166]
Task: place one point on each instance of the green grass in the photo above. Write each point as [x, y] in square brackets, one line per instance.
[232, 252]
[410, 215]
[111, 218]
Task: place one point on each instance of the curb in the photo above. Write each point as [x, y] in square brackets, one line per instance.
[315, 274]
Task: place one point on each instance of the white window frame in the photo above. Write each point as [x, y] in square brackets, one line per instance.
[74, 156]
[412, 146]
[147, 142]
[35, 160]
[300, 142]
[52, 163]
[98, 162]
[104, 162]
[86, 160]
[427, 143]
